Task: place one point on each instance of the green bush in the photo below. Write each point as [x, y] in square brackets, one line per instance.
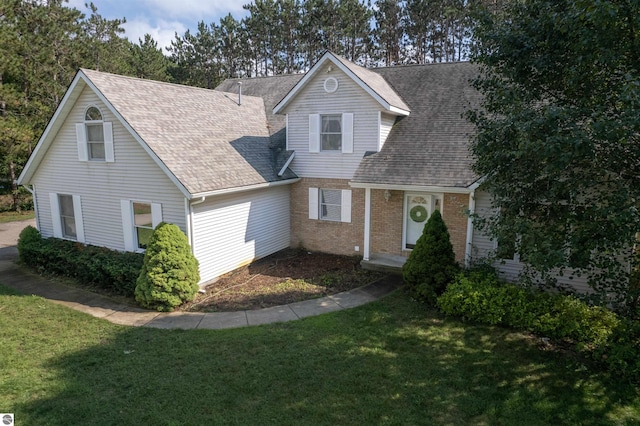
[112, 270]
[169, 275]
[431, 266]
[621, 353]
[481, 297]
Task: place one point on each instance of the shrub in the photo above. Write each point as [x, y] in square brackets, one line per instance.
[483, 298]
[27, 241]
[169, 275]
[432, 263]
[108, 269]
[621, 353]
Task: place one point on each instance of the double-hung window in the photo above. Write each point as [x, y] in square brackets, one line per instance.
[333, 205]
[143, 223]
[66, 215]
[331, 132]
[139, 219]
[95, 137]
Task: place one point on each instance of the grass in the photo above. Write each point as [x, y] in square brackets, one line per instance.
[389, 362]
[15, 216]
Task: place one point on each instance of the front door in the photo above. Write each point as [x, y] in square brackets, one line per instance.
[417, 208]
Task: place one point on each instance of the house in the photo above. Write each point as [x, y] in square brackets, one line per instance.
[342, 159]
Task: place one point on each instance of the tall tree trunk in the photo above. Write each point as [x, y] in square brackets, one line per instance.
[14, 187]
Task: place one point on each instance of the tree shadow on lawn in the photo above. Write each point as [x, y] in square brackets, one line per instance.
[389, 362]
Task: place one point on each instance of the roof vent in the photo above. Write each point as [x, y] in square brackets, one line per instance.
[239, 93]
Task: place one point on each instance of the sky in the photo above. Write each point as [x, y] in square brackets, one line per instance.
[163, 18]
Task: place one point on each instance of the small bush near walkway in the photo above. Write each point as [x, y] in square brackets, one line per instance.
[169, 275]
[108, 269]
[597, 332]
[432, 263]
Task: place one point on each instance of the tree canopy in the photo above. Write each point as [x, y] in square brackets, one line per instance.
[558, 139]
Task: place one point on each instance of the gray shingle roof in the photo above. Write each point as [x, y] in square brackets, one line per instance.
[430, 146]
[203, 136]
[377, 83]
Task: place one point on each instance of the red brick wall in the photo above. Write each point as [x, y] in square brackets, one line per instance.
[386, 222]
[322, 235]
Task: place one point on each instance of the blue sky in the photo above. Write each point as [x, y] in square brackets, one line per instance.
[163, 18]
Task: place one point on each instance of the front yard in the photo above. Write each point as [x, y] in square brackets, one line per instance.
[389, 362]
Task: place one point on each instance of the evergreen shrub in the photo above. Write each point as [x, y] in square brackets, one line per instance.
[98, 266]
[431, 266]
[169, 275]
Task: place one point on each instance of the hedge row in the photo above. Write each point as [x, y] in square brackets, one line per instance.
[612, 341]
[112, 270]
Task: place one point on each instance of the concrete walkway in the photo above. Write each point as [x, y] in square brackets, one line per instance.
[27, 282]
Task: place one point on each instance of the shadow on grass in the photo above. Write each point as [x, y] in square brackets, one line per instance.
[390, 362]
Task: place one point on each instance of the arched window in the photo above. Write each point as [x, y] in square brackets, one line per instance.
[95, 133]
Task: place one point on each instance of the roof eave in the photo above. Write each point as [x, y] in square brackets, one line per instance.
[418, 188]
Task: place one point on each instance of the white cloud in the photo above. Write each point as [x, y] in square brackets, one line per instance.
[195, 9]
[162, 31]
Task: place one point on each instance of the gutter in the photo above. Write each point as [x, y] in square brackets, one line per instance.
[428, 188]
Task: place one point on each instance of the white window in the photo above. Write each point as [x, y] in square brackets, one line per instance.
[94, 137]
[139, 219]
[66, 215]
[330, 204]
[331, 132]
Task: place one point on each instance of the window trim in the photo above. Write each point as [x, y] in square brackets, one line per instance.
[129, 228]
[89, 122]
[315, 205]
[56, 216]
[84, 144]
[322, 204]
[322, 133]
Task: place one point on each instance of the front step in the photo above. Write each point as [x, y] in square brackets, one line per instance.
[389, 263]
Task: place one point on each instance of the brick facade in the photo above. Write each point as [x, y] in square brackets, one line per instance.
[322, 235]
[386, 221]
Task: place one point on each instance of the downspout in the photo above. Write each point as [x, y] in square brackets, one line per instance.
[35, 205]
[190, 221]
[472, 210]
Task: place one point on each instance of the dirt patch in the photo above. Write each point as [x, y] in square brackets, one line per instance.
[284, 277]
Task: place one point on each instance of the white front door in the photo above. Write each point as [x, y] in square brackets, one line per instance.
[417, 208]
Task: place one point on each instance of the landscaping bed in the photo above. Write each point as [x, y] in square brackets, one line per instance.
[285, 277]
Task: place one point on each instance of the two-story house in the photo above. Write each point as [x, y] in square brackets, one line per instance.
[341, 159]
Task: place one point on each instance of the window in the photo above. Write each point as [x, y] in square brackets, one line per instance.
[143, 224]
[95, 134]
[95, 137]
[67, 217]
[330, 204]
[331, 132]
[139, 219]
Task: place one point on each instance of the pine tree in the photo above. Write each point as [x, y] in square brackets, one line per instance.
[431, 266]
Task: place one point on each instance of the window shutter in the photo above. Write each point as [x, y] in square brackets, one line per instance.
[81, 139]
[313, 203]
[314, 132]
[55, 215]
[156, 214]
[107, 129]
[346, 206]
[77, 216]
[347, 133]
[127, 225]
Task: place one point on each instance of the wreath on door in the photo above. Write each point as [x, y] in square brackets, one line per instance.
[418, 214]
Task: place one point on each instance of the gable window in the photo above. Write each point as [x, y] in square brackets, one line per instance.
[333, 205]
[94, 137]
[66, 215]
[331, 132]
[139, 219]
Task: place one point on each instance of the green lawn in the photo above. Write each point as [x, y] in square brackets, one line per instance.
[14, 216]
[390, 362]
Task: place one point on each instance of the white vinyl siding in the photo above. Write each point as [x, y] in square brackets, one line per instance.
[508, 269]
[66, 216]
[386, 123]
[355, 106]
[135, 176]
[330, 204]
[233, 230]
